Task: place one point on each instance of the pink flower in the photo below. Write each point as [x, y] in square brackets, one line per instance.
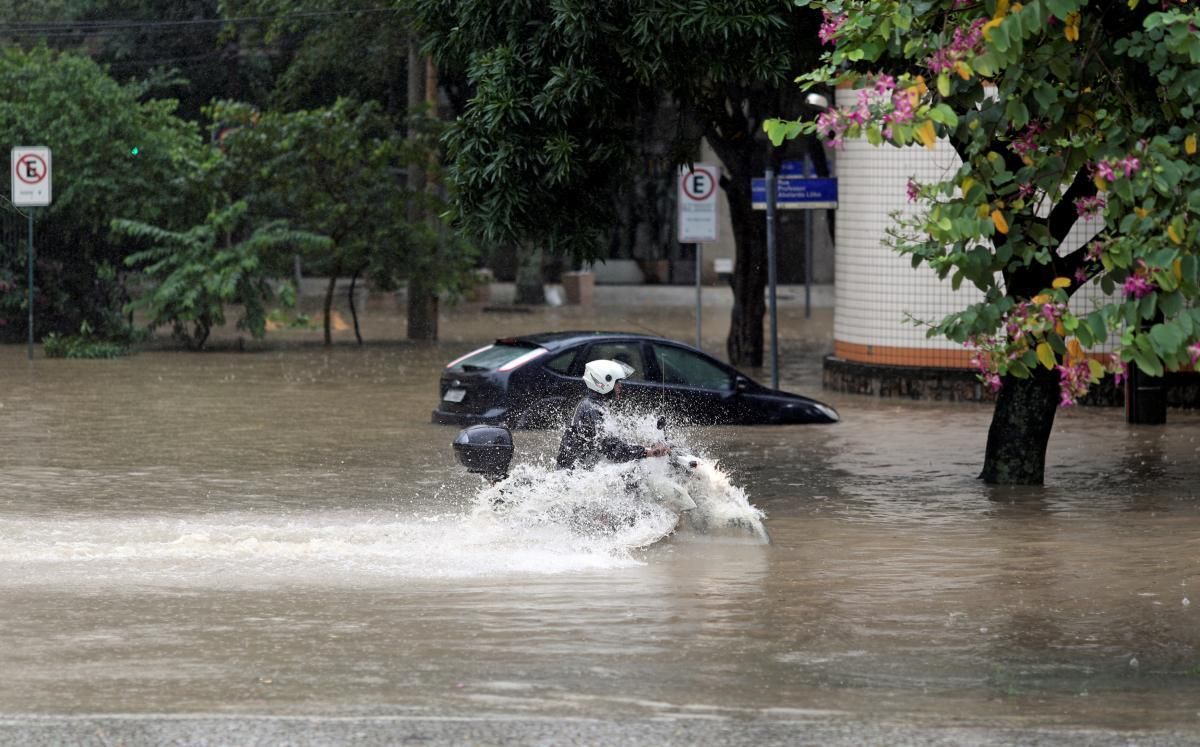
[966, 43]
[1105, 171]
[1081, 276]
[1073, 382]
[1138, 286]
[1095, 249]
[1121, 373]
[833, 125]
[829, 27]
[1130, 164]
[993, 382]
[1194, 351]
[1026, 140]
[902, 108]
[912, 189]
[1086, 206]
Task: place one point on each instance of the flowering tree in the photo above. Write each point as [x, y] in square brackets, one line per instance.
[1061, 110]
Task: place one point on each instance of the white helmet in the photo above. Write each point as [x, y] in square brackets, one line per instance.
[602, 375]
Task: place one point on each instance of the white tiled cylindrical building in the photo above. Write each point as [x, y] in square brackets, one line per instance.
[878, 293]
[877, 288]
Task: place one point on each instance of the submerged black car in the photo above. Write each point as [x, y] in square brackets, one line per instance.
[535, 381]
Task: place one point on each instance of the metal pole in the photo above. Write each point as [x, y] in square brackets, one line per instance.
[30, 263]
[699, 265]
[808, 260]
[771, 276]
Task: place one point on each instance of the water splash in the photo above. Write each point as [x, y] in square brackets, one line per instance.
[539, 521]
[617, 508]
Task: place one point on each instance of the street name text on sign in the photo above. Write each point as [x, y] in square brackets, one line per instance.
[30, 170]
[796, 193]
[698, 203]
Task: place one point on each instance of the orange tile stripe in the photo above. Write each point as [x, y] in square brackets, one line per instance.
[887, 355]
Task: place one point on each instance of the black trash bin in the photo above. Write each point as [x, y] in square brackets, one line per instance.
[1145, 398]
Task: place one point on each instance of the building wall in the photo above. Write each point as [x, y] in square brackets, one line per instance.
[878, 292]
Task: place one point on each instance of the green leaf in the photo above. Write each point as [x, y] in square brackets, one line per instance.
[1148, 363]
[1167, 339]
[1063, 8]
[1017, 113]
[1046, 96]
[1170, 304]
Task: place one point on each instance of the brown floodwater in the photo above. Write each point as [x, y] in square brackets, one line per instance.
[280, 530]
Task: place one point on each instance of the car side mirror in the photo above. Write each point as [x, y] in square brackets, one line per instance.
[736, 386]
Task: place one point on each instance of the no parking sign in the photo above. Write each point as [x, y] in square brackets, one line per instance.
[30, 176]
[698, 203]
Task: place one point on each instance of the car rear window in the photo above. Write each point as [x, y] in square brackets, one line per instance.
[500, 356]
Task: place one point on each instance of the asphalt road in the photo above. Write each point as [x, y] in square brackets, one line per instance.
[248, 731]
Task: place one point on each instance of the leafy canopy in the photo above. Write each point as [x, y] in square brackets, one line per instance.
[90, 122]
[1060, 110]
[338, 171]
[561, 92]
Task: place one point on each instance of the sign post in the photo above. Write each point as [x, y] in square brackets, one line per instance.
[772, 194]
[793, 190]
[698, 216]
[799, 193]
[30, 171]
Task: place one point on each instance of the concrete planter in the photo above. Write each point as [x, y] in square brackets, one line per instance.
[579, 287]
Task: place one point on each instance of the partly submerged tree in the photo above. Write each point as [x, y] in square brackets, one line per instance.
[338, 171]
[195, 274]
[1059, 109]
[559, 89]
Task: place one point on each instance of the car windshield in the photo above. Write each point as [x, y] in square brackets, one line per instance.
[500, 356]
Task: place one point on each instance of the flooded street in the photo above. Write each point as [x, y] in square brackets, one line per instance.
[280, 532]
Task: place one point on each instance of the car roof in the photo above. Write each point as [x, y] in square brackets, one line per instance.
[559, 340]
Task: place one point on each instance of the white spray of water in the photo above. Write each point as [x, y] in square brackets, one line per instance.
[615, 508]
[539, 521]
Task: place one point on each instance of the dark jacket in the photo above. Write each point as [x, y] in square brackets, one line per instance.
[585, 442]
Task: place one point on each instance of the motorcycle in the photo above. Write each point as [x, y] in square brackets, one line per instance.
[637, 503]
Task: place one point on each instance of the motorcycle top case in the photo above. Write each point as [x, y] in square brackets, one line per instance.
[484, 449]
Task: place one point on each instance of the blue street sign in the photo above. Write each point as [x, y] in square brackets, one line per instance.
[793, 193]
[797, 168]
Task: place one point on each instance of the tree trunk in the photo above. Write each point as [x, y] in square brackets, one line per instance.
[743, 151]
[1020, 430]
[531, 289]
[353, 308]
[744, 345]
[333, 277]
[422, 310]
[422, 299]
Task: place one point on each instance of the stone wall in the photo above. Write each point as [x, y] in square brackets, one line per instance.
[959, 385]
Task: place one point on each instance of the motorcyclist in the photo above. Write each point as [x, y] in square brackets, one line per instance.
[585, 441]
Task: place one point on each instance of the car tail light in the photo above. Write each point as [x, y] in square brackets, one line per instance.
[522, 360]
